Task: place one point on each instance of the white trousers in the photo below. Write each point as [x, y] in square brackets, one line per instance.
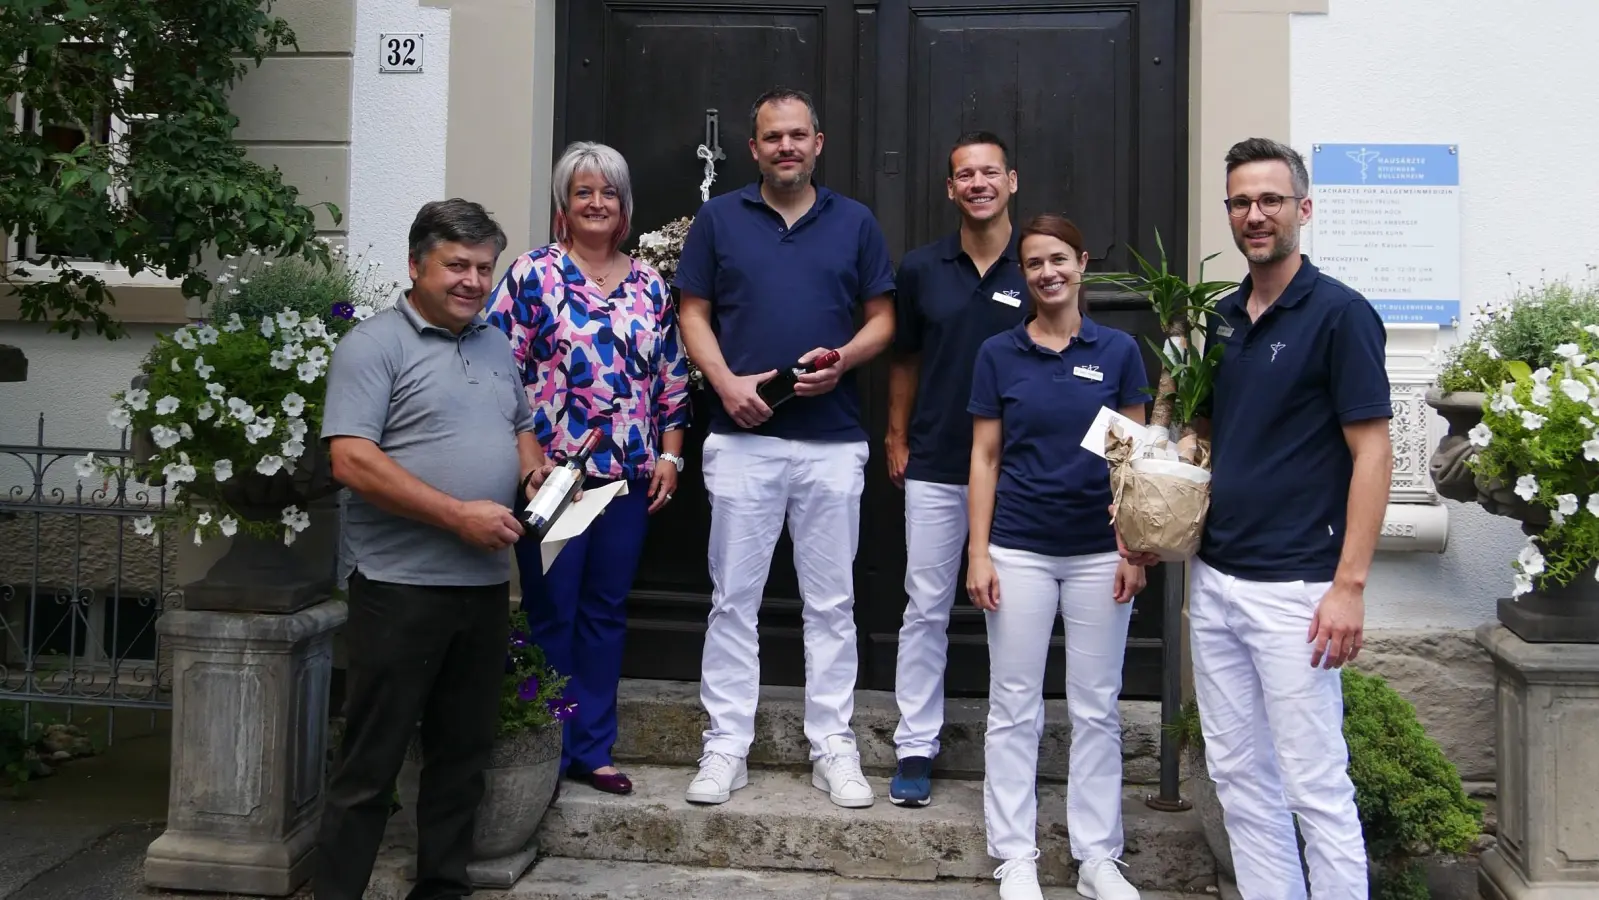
[1033, 590]
[755, 482]
[935, 533]
[1274, 740]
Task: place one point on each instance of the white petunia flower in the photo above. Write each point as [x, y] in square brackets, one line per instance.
[234, 324]
[296, 428]
[1593, 504]
[165, 437]
[1530, 560]
[268, 327]
[1542, 375]
[180, 471]
[224, 278]
[176, 366]
[288, 318]
[1523, 585]
[184, 431]
[199, 539]
[240, 410]
[256, 430]
[1489, 349]
[269, 465]
[222, 469]
[1591, 329]
[144, 525]
[137, 400]
[1567, 504]
[267, 263]
[293, 404]
[1567, 350]
[1557, 517]
[1541, 395]
[293, 350]
[294, 522]
[166, 406]
[86, 467]
[281, 361]
[118, 417]
[309, 372]
[229, 526]
[184, 337]
[1590, 450]
[1531, 420]
[313, 328]
[1576, 390]
[205, 411]
[217, 391]
[293, 449]
[201, 369]
[1527, 487]
[203, 519]
[364, 312]
[318, 355]
[1480, 435]
[206, 334]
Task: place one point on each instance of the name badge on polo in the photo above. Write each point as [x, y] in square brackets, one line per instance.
[1009, 298]
[1225, 331]
[1091, 373]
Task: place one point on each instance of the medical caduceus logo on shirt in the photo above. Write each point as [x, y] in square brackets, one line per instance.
[1276, 347]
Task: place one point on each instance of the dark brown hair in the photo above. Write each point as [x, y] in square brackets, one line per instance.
[974, 138]
[1061, 229]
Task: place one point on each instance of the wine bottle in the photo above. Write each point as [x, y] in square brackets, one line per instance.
[781, 386]
[563, 483]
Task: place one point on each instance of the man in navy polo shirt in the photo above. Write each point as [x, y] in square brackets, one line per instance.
[771, 276]
[1300, 471]
[951, 295]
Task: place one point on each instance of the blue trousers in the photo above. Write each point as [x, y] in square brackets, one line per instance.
[577, 613]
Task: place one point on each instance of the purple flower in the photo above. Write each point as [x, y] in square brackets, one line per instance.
[529, 691]
[343, 311]
[563, 709]
[518, 639]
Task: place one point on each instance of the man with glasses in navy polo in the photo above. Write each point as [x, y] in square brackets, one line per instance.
[952, 295]
[771, 276]
[1301, 462]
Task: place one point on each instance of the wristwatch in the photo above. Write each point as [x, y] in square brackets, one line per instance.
[674, 459]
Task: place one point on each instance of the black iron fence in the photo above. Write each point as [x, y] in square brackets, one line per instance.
[80, 589]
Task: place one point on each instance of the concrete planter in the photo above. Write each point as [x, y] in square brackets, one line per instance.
[518, 787]
[1462, 410]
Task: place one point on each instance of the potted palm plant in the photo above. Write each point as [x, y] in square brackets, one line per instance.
[1162, 487]
[524, 767]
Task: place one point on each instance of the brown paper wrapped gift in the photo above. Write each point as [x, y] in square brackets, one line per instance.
[1160, 503]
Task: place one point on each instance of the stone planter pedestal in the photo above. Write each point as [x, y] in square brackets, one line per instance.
[1548, 754]
[249, 737]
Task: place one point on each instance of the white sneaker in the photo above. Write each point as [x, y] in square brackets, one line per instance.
[1099, 879]
[838, 772]
[720, 775]
[1018, 878]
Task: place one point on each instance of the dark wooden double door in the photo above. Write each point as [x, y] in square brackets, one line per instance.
[1090, 97]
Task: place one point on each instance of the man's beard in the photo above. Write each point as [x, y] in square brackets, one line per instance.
[1283, 245]
[797, 180]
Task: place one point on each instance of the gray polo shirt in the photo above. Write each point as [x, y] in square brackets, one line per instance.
[447, 409]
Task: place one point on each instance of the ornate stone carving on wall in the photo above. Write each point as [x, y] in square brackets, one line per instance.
[1416, 519]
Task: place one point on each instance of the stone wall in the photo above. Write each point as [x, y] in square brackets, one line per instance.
[1449, 678]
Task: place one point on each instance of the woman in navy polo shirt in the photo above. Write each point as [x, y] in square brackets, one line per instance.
[1041, 545]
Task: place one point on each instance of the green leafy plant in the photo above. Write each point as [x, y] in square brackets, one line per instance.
[19, 746]
[1184, 308]
[245, 398]
[533, 695]
[1539, 434]
[1525, 329]
[125, 154]
[1408, 793]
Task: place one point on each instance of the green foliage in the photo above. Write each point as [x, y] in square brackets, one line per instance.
[177, 188]
[1183, 308]
[533, 695]
[19, 757]
[267, 287]
[1526, 328]
[1408, 793]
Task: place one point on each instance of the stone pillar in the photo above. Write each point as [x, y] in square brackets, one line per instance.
[249, 746]
[1416, 520]
[1548, 766]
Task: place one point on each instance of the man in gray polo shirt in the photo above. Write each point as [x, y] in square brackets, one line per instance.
[428, 426]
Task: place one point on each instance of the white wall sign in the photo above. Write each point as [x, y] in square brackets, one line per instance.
[1387, 223]
[400, 52]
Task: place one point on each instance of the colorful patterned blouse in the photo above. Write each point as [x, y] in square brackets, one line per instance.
[589, 359]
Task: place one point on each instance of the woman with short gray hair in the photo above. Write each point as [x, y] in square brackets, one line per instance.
[595, 334]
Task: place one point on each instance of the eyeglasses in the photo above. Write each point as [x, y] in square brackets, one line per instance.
[1270, 204]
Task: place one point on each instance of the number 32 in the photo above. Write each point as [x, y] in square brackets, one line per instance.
[400, 52]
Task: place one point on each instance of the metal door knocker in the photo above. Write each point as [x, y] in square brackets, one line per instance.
[710, 151]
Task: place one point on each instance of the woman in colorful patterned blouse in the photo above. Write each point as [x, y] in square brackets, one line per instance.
[595, 333]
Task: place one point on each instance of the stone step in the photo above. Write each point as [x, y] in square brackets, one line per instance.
[662, 723]
[781, 822]
[577, 879]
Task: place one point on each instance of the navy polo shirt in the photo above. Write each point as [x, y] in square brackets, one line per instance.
[944, 311]
[777, 293]
[1280, 465]
[1053, 496]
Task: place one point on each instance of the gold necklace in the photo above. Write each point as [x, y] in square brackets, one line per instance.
[599, 277]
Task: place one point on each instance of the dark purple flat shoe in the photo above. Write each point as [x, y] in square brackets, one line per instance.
[610, 784]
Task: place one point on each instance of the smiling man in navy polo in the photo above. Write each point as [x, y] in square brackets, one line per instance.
[1300, 471]
[951, 295]
[771, 276]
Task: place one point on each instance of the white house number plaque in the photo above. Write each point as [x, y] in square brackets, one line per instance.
[400, 52]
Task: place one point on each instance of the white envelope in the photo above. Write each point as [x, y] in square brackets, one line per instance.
[1094, 440]
[577, 518]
